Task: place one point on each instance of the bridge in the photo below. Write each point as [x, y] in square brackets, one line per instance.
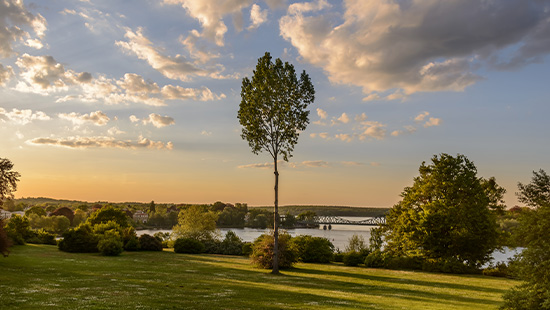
[371, 221]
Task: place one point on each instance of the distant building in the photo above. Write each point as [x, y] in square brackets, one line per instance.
[4, 214]
[140, 217]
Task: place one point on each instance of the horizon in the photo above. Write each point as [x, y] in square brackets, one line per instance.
[103, 101]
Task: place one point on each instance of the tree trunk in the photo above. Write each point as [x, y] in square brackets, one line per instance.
[276, 222]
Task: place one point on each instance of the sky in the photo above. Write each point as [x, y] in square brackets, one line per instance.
[137, 100]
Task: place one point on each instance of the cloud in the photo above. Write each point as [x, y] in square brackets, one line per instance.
[280, 163]
[5, 74]
[134, 119]
[403, 47]
[210, 14]
[206, 133]
[171, 92]
[343, 119]
[113, 131]
[372, 130]
[344, 137]
[257, 16]
[315, 163]
[102, 142]
[158, 120]
[97, 118]
[408, 130]
[352, 163]
[433, 122]
[196, 49]
[14, 17]
[135, 84]
[420, 117]
[22, 117]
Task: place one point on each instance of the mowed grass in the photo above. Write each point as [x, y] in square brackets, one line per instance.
[42, 277]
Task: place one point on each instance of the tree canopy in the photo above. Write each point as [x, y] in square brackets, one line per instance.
[533, 263]
[8, 179]
[446, 214]
[196, 223]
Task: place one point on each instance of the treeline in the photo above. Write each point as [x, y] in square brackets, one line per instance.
[329, 210]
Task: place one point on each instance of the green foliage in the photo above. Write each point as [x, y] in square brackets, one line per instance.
[188, 245]
[536, 193]
[500, 270]
[196, 223]
[56, 224]
[289, 221]
[102, 228]
[308, 216]
[5, 242]
[375, 259]
[18, 229]
[79, 240]
[110, 244]
[310, 249]
[8, 179]
[262, 251]
[35, 210]
[231, 244]
[247, 248]
[132, 244]
[352, 258]
[258, 218]
[446, 215]
[109, 213]
[356, 243]
[232, 216]
[42, 237]
[150, 243]
[273, 109]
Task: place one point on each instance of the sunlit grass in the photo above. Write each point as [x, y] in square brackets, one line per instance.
[41, 277]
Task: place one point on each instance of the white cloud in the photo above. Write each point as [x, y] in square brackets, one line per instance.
[210, 14]
[97, 118]
[197, 49]
[113, 131]
[22, 117]
[293, 165]
[134, 119]
[14, 17]
[405, 47]
[257, 16]
[5, 74]
[433, 122]
[206, 133]
[102, 142]
[133, 83]
[408, 130]
[373, 130]
[343, 119]
[43, 74]
[361, 117]
[158, 120]
[344, 137]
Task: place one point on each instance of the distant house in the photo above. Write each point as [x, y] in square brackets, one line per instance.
[140, 217]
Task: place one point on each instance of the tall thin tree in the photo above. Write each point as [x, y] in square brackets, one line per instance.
[8, 179]
[273, 112]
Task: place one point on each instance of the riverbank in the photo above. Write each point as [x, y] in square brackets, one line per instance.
[40, 276]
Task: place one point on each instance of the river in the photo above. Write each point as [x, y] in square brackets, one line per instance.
[339, 235]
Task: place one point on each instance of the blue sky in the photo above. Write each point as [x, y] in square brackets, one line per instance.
[137, 100]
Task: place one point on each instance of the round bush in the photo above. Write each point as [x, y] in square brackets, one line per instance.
[189, 246]
[79, 240]
[132, 244]
[262, 252]
[352, 259]
[110, 246]
[150, 243]
[312, 249]
[247, 248]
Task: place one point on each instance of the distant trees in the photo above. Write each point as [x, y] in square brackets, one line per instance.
[109, 213]
[447, 215]
[273, 112]
[533, 232]
[196, 223]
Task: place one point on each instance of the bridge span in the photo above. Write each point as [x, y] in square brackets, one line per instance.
[371, 221]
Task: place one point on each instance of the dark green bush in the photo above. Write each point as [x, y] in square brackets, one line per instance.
[231, 244]
[375, 260]
[338, 257]
[262, 251]
[500, 270]
[18, 229]
[132, 244]
[212, 246]
[352, 259]
[79, 240]
[150, 243]
[42, 237]
[189, 246]
[447, 266]
[247, 248]
[312, 249]
[110, 245]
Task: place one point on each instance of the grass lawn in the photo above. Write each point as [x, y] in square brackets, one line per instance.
[42, 277]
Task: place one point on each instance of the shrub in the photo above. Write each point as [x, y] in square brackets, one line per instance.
[189, 246]
[500, 270]
[150, 243]
[232, 244]
[247, 248]
[5, 242]
[212, 246]
[132, 244]
[18, 229]
[356, 243]
[312, 249]
[447, 266]
[79, 240]
[352, 259]
[110, 245]
[375, 260]
[262, 251]
[42, 237]
[338, 257]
